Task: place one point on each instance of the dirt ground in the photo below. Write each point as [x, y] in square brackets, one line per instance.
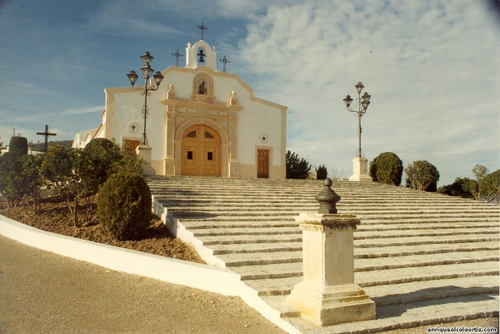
[55, 216]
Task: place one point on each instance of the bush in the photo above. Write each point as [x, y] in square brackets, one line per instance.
[321, 172]
[18, 145]
[19, 176]
[124, 206]
[387, 168]
[463, 187]
[422, 175]
[102, 157]
[296, 168]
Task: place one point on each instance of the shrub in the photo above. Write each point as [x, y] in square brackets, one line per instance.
[422, 175]
[296, 168]
[124, 206]
[18, 145]
[463, 187]
[19, 176]
[321, 172]
[11, 180]
[103, 158]
[387, 168]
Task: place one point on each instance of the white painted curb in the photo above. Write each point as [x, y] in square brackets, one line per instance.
[222, 281]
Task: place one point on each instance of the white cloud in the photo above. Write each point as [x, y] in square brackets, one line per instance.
[83, 110]
[431, 68]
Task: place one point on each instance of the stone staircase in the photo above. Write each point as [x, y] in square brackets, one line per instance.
[424, 258]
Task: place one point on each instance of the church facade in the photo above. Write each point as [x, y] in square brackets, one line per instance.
[201, 122]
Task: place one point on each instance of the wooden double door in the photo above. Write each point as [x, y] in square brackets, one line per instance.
[201, 151]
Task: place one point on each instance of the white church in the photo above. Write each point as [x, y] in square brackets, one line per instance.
[201, 122]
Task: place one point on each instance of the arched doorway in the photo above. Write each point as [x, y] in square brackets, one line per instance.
[201, 151]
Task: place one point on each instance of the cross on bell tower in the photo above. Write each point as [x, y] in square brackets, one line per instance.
[202, 28]
[46, 134]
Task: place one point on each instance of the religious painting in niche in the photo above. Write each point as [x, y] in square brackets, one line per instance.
[202, 87]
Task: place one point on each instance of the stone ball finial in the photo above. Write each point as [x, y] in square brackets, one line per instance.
[327, 198]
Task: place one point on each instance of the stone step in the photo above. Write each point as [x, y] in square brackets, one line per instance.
[394, 226]
[230, 224]
[294, 269]
[257, 248]
[259, 199]
[431, 249]
[360, 253]
[228, 240]
[380, 215]
[295, 235]
[409, 294]
[411, 241]
[263, 229]
[282, 281]
[247, 231]
[378, 219]
[424, 220]
[430, 290]
[362, 264]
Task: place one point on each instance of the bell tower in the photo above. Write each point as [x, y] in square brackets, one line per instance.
[201, 54]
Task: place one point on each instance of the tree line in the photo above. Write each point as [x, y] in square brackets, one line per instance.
[422, 175]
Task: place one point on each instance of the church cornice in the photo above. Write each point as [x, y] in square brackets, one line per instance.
[197, 103]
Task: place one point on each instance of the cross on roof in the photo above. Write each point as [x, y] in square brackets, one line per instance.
[202, 28]
[224, 61]
[177, 55]
[46, 134]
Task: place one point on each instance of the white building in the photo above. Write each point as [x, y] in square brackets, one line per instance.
[201, 122]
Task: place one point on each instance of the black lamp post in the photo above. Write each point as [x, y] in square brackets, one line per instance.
[147, 71]
[363, 102]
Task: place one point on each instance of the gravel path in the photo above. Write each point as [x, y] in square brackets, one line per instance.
[41, 292]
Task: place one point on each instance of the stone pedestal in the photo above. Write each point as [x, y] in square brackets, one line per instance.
[360, 170]
[144, 152]
[328, 295]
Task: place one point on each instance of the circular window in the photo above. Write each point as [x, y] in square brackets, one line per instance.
[264, 138]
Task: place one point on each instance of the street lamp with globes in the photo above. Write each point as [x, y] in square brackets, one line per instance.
[360, 163]
[363, 103]
[147, 71]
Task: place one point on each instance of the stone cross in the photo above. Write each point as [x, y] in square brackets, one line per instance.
[46, 134]
[202, 28]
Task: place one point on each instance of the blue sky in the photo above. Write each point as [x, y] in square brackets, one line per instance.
[432, 68]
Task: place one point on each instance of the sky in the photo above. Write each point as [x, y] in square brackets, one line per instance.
[432, 69]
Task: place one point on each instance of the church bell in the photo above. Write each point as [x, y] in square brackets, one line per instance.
[202, 55]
